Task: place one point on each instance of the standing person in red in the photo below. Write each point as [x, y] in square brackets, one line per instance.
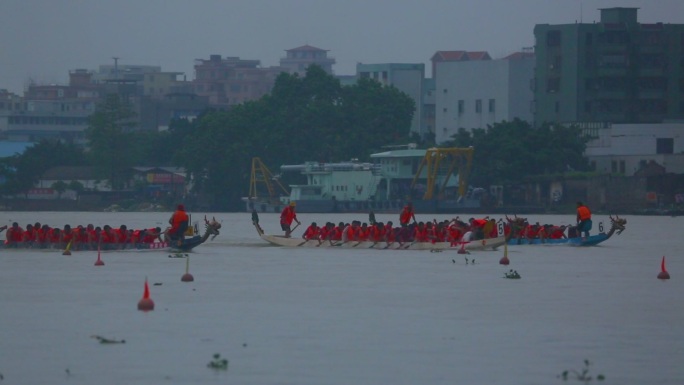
[583, 219]
[287, 216]
[179, 223]
[406, 215]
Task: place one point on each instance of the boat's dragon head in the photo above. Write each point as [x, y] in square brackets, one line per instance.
[618, 223]
[516, 222]
[211, 227]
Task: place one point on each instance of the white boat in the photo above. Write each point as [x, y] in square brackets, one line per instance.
[434, 180]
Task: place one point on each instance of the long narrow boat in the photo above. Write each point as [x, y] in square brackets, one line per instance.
[211, 229]
[482, 244]
[617, 226]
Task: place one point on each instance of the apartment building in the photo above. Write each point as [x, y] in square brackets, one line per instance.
[472, 90]
[614, 71]
[230, 81]
[297, 60]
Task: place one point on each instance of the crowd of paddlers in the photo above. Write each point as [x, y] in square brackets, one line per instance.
[89, 237]
[454, 230]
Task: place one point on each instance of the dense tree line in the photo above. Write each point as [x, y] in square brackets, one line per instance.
[309, 118]
[508, 152]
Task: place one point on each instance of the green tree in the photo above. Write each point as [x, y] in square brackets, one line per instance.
[60, 186]
[112, 142]
[303, 119]
[23, 171]
[76, 186]
[507, 152]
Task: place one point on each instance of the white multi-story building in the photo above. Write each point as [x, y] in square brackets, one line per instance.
[628, 148]
[300, 58]
[474, 91]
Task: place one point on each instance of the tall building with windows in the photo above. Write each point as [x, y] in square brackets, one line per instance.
[615, 71]
[230, 81]
[474, 91]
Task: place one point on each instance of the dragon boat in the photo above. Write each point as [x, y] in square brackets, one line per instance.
[211, 229]
[481, 244]
[617, 226]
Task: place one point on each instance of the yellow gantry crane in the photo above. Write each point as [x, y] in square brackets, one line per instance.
[451, 158]
[262, 175]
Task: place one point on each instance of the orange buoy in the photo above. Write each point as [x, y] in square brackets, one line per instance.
[146, 303]
[663, 272]
[504, 260]
[187, 277]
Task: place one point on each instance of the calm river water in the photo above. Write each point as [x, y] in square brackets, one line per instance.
[343, 316]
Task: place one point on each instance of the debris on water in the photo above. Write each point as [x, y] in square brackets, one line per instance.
[218, 363]
[512, 274]
[104, 340]
[157, 284]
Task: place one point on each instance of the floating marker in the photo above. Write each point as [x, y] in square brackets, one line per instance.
[663, 272]
[504, 260]
[99, 261]
[67, 250]
[146, 303]
[462, 250]
[187, 277]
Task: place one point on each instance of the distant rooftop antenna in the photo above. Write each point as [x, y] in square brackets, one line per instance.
[116, 67]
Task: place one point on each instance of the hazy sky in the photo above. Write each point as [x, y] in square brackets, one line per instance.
[43, 40]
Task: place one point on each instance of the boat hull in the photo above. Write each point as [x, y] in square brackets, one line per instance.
[576, 241]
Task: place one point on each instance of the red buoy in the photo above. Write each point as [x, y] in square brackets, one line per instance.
[462, 250]
[663, 272]
[187, 277]
[504, 260]
[146, 303]
[99, 261]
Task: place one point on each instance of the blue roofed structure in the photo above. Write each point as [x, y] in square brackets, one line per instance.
[8, 149]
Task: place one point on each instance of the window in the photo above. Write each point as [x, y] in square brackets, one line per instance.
[622, 166]
[613, 166]
[553, 38]
[553, 85]
[557, 107]
[492, 105]
[461, 107]
[664, 145]
[478, 106]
